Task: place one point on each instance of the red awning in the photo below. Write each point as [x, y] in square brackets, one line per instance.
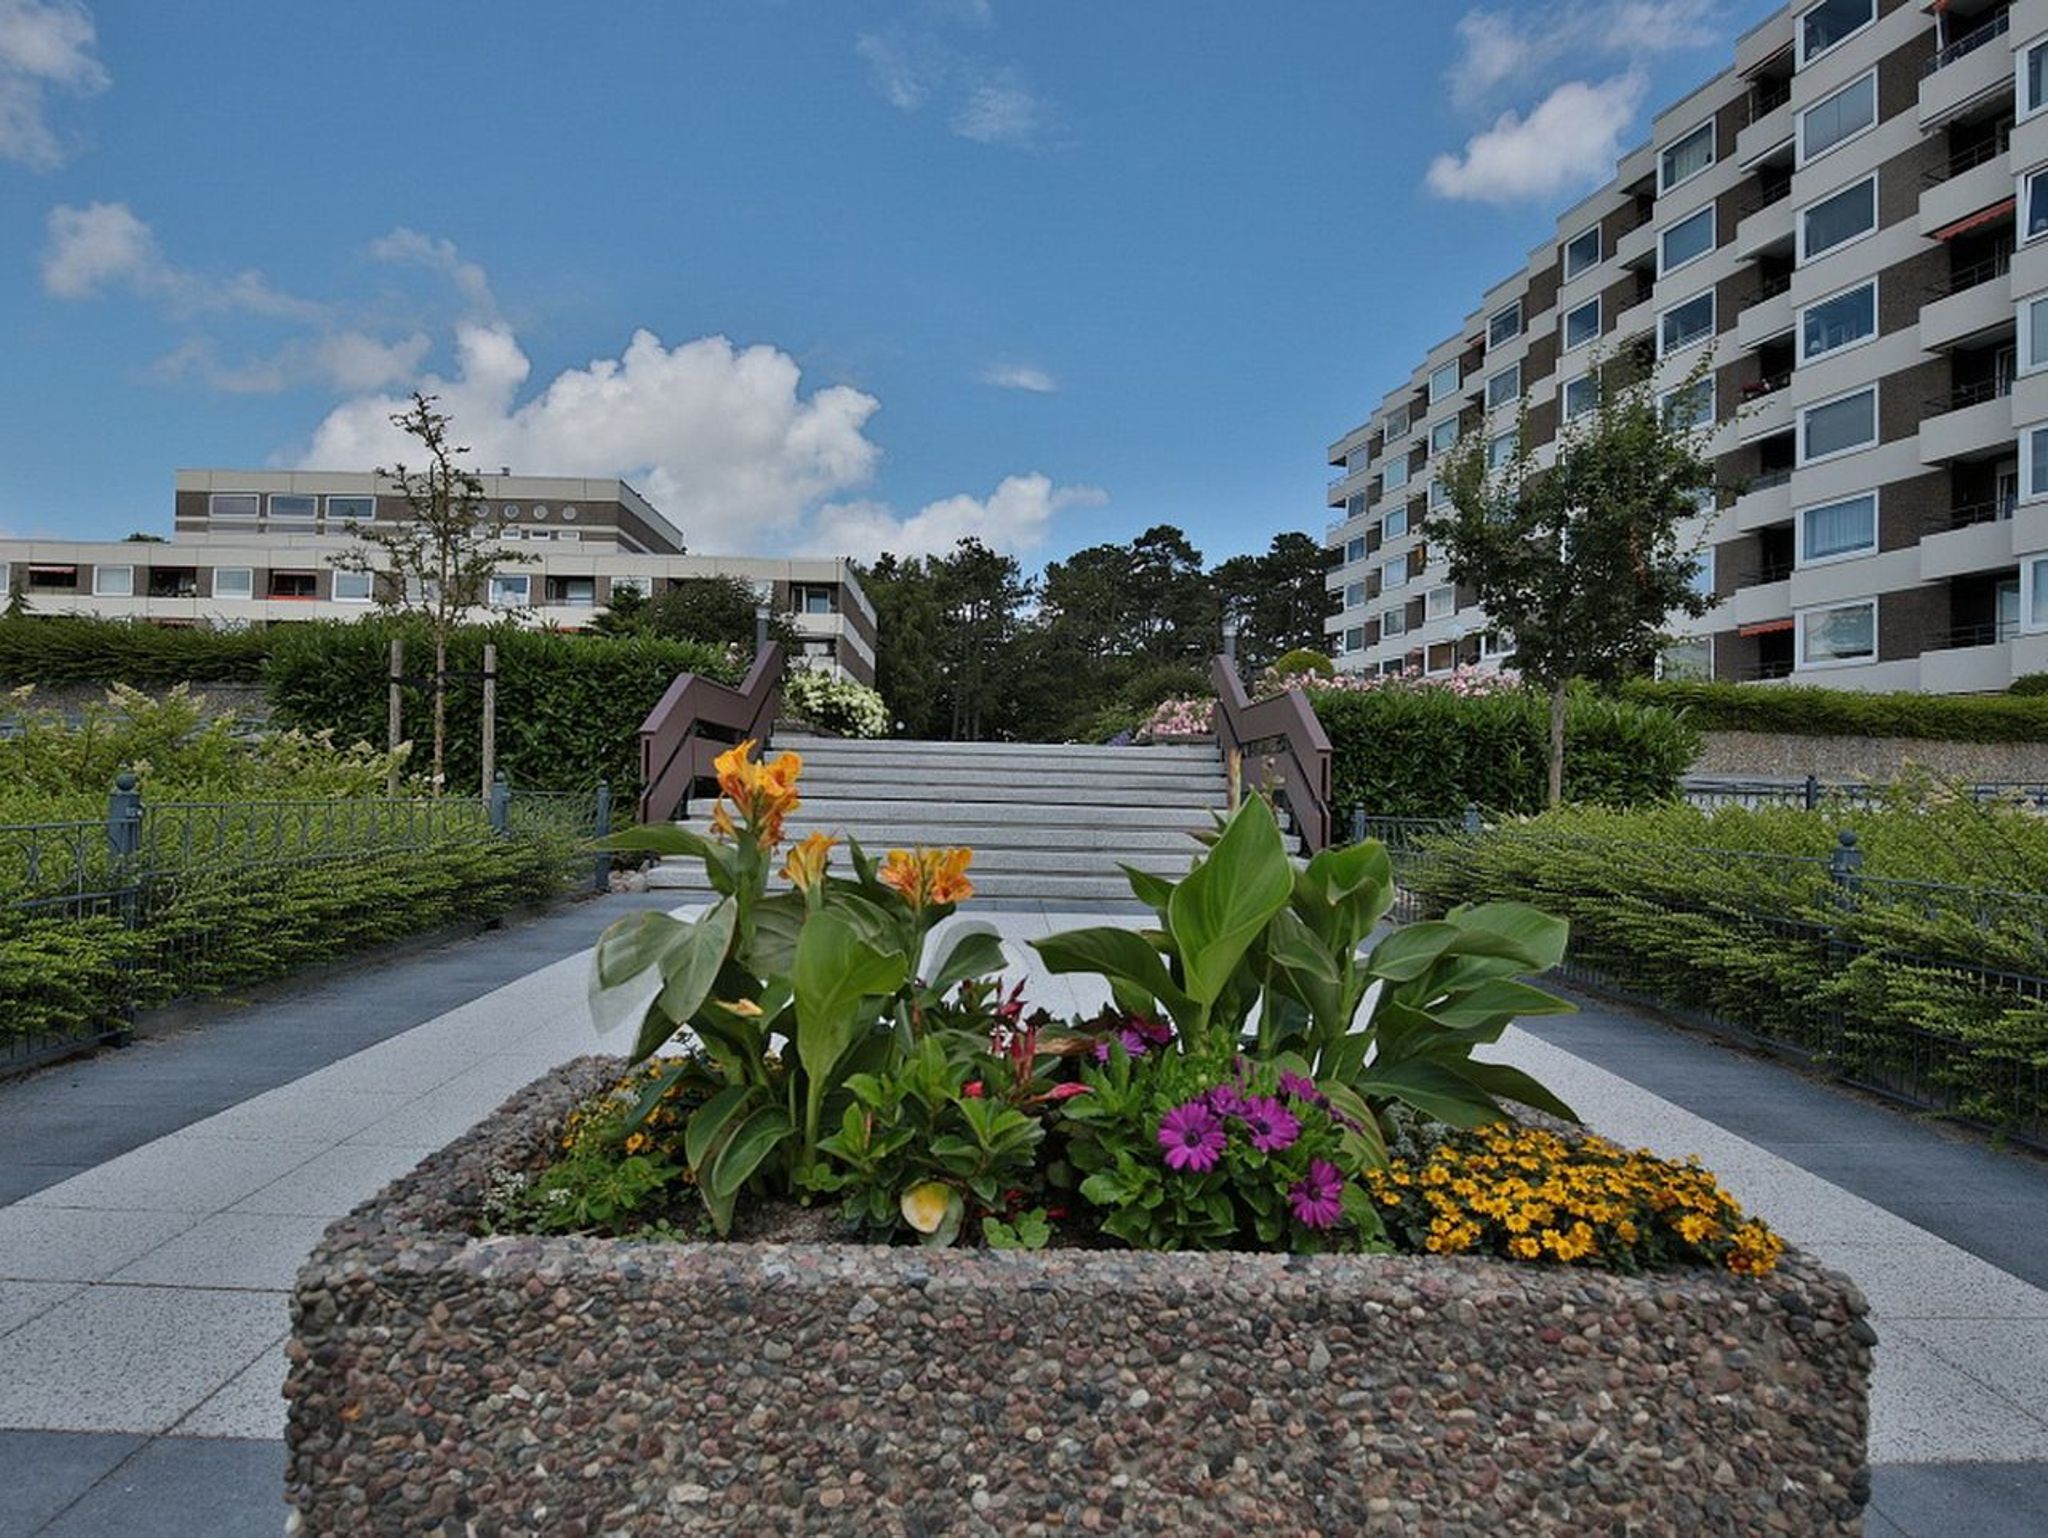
[1768, 627]
[1984, 216]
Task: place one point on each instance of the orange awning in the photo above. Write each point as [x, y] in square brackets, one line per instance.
[1982, 217]
[1768, 627]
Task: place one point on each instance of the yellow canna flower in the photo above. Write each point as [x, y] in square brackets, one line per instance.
[735, 774]
[900, 873]
[805, 866]
[924, 1205]
[947, 876]
[745, 1008]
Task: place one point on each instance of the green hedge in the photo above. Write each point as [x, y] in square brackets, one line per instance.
[1807, 712]
[76, 650]
[1908, 986]
[66, 976]
[569, 706]
[1415, 751]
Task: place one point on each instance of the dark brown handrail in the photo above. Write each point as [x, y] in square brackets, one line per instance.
[697, 719]
[1278, 744]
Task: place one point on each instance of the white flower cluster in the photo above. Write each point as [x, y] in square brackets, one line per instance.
[835, 704]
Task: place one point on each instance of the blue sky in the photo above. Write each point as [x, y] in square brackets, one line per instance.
[815, 274]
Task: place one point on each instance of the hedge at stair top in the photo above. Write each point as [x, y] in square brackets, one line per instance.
[1420, 751]
[1850, 713]
[569, 706]
[76, 650]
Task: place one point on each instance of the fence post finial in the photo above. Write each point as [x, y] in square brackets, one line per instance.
[1472, 824]
[601, 870]
[501, 801]
[124, 815]
[1846, 858]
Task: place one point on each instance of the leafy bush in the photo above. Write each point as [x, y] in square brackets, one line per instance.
[569, 706]
[1302, 662]
[1415, 750]
[1808, 712]
[834, 704]
[73, 649]
[2028, 684]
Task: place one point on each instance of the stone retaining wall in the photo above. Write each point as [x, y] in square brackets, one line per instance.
[1773, 755]
[448, 1385]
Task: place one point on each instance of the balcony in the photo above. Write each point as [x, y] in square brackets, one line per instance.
[1977, 302]
[1345, 485]
[1975, 189]
[1771, 130]
[1765, 225]
[1982, 668]
[1757, 604]
[1959, 549]
[1765, 501]
[1767, 316]
[1965, 72]
[1967, 423]
[1766, 408]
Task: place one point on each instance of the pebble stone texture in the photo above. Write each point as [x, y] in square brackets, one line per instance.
[1769, 755]
[445, 1385]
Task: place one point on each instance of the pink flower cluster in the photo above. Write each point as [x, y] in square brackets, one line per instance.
[1466, 682]
[1178, 717]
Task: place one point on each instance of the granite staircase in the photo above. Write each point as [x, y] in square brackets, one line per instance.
[1049, 823]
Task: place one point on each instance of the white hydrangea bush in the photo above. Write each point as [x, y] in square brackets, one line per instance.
[834, 704]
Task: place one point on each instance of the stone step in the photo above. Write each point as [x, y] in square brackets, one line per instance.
[906, 748]
[1034, 885]
[1079, 792]
[1131, 764]
[938, 815]
[1051, 773]
[1099, 842]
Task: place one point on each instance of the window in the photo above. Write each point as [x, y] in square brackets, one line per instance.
[1838, 529]
[1687, 659]
[1689, 406]
[818, 600]
[1838, 219]
[539, 534]
[52, 579]
[362, 510]
[510, 592]
[1443, 383]
[1500, 451]
[1496, 643]
[1354, 639]
[1354, 549]
[1394, 622]
[1832, 324]
[1397, 425]
[353, 587]
[1439, 495]
[1686, 241]
[1844, 633]
[509, 510]
[1581, 395]
[569, 534]
[540, 510]
[1839, 117]
[2034, 79]
[2033, 464]
[1702, 581]
[1505, 326]
[511, 533]
[293, 509]
[1686, 158]
[233, 582]
[2035, 186]
[1838, 426]
[1581, 253]
[296, 586]
[113, 581]
[1354, 595]
[1395, 476]
[2034, 333]
[1443, 436]
[1504, 387]
[1582, 325]
[1830, 22]
[1395, 524]
[1393, 574]
[572, 592]
[1684, 324]
[233, 504]
[644, 585]
[1443, 602]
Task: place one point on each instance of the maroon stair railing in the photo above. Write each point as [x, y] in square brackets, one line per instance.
[697, 719]
[1279, 746]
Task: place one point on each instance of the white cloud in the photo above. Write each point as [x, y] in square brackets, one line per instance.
[1501, 47]
[104, 246]
[1019, 376]
[404, 247]
[1000, 110]
[1572, 137]
[900, 77]
[989, 104]
[1015, 519]
[45, 45]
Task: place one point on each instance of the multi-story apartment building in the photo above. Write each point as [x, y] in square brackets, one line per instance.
[1854, 217]
[257, 547]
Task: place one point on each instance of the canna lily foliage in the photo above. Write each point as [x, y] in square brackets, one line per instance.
[784, 997]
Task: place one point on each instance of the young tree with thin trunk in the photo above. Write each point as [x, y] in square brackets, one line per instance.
[434, 564]
[1580, 554]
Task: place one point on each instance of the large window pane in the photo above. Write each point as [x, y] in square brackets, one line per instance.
[1395, 524]
[1505, 326]
[1690, 322]
[1444, 382]
[2034, 333]
[1443, 435]
[1831, 21]
[1691, 406]
[1395, 476]
[1581, 252]
[1689, 239]
[1688, 157]
[1827, 123]
[1581, 395]
[2037, 462]
[1841, 425]
[2034, 73]
[1834, 220]
[1504, 387]
[233, 504]
[1839, 321]
[2037, 204]
[1582, 325]
[1840, 528]
[1841, 635]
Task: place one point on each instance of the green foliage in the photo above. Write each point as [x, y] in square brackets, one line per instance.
[569, 706]
[1734, 913]
[1303, 661]
[833, 704]
[2029, 684]
[1800, 711]
[1489, 749]
[712, 611]
[73, 649]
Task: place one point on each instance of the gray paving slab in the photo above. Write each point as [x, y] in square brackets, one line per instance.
[336, 1182]
[1959, 1500]
[22, 1301]
[214, 1172]
[250, 1404]
[259, 1251]
[184, 1487]
[79, 1244]
[44, 1472]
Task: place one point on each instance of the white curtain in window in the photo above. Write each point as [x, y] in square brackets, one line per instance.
[1841, 527]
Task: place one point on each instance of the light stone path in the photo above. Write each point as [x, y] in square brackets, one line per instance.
[148, 1295]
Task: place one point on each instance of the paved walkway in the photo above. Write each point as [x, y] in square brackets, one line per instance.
[160, 1200]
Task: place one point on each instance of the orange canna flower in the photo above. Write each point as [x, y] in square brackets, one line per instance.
[900, 871]
[948, 876]
[805, 866]
[760, 796]
[735, 774]
[930, 877]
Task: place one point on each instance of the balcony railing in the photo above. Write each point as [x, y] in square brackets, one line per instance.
[1987, 633]
[1963, 397]
[1766, 480]
[1963, 279]
[1968, 159]
[1770, 384]
[1770, 288]
[1767, 572]
[1764, 199]
[1963, 47]
[1758, 672]
[1767, 97]
[1966, 515]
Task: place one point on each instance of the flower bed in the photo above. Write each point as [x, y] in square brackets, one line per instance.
[444, 1383]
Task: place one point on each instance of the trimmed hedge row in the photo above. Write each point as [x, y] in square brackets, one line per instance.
[78, 650]
[1808, 712]
[1419, 751]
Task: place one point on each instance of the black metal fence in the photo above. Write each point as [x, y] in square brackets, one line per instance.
[1710, 792]
[1931, 994]
[136, 882]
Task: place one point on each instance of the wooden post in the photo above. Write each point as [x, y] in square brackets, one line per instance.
[394, 725]
[490, 714]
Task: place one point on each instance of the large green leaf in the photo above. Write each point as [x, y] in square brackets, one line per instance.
[778, 920]
[689, 970]
[629, 946]
[1410, 951]
[1218, 911]
[665, 838]
[1512, 929]
[710, 1122]
[1155, 892]
[1506, 1083]
[1123, 956]
[969, 948]
[1501, 999]
[1434, 1089]
[741, 1154]
[835, 971]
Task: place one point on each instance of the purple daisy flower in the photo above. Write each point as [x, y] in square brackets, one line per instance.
[1226, 1100]
[1192, 1136]
[1296, 1087]
[1318, 1197]
[1271, 1125]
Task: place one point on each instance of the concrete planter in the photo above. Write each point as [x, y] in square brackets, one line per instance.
[446, 1384]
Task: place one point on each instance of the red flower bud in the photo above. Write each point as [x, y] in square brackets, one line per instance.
[1068, 1091]
[973, 1091]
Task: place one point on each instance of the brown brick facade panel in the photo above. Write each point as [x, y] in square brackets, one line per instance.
[1906, 509]
[1909, 622]
[1902, 398]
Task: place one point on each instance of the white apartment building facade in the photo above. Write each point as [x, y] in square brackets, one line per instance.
[258, 548]
[1854, 217]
